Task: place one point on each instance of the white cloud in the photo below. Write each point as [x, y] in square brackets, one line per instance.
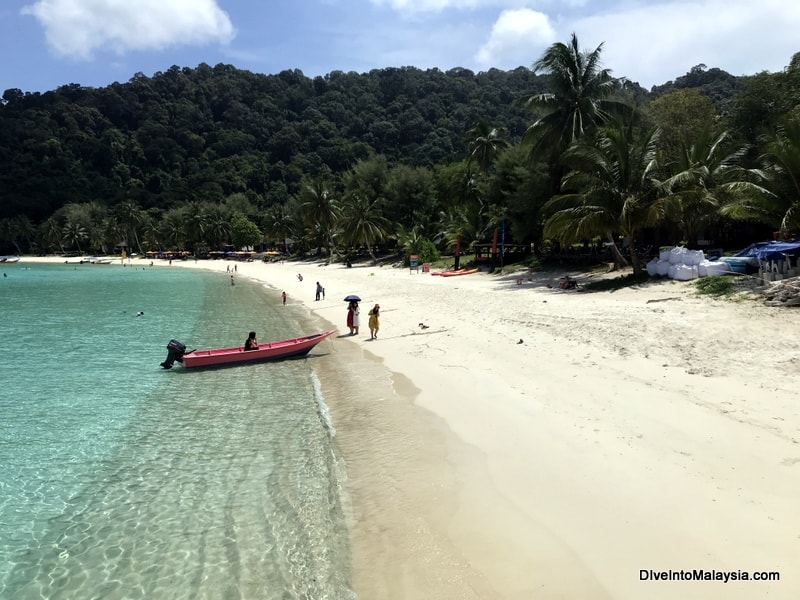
[77, 28]
[516, 39]
[657, 43]
[435, 6]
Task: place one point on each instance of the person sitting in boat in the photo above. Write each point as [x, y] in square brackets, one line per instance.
[251, 343]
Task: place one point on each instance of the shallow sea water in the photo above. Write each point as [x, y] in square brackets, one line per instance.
[119, 479]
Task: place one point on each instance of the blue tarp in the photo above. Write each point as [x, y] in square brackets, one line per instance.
[771, 250]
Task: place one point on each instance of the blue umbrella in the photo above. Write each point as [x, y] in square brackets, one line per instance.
[352, 298]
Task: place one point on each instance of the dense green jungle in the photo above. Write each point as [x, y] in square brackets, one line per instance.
[402, 160]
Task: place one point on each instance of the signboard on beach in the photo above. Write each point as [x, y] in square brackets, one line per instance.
[413, 262]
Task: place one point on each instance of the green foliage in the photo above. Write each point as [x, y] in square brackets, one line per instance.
[413, 242]
[715, 285]
[362, 223]
[714, 83]
[708, 181]
[209, 133]
[244, 233]
[611, 189]
[679, 115]
[163, 162]
[486, 145]
[781, 160]
[428, 252]
[410, 196]
[579, 97]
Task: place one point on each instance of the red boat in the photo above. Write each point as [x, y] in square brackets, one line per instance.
[455, 273]
[221, 357]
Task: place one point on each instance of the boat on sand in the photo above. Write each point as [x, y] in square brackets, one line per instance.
[454, 273]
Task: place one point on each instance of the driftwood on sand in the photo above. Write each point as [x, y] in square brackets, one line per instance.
[782, 293]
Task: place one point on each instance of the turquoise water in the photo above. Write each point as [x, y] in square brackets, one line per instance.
[119, 479]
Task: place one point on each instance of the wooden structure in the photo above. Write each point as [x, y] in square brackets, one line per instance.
[491, 256]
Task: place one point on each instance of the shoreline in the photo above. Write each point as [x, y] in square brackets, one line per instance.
[535, 442]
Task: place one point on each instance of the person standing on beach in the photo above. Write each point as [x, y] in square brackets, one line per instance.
[283, 295]
[319, 291]
[232, 282]
[350, 316]
[356, 318]
[374, 322]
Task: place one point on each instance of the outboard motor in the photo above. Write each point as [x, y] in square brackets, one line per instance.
[175, 351]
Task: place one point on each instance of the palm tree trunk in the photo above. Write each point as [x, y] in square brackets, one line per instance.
[635, 263]
[332, 248]
[619, 260]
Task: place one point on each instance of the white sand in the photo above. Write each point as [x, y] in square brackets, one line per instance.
[644, 428]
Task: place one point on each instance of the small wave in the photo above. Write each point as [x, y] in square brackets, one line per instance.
[324, 413]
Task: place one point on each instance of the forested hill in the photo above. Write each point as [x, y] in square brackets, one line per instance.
[208, 132]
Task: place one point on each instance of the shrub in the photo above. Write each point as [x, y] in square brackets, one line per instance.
[426, 252]
[715, 285]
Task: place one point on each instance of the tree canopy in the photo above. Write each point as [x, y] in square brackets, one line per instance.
[195, 158]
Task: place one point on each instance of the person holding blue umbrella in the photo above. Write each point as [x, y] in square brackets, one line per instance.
[353, 320]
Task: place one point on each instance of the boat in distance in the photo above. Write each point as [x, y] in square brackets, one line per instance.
[222, 357]
[455, 273]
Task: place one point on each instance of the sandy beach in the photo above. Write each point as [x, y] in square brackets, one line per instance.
[532, 442]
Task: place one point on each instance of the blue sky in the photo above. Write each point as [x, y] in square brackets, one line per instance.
[48, 43]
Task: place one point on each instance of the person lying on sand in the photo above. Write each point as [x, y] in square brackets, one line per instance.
[567, 283]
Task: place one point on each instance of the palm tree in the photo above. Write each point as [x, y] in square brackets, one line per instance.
[75, 233]
[52, 233]
[17, 229]
[114, 232]
[708, 182]
[613, 187]
[194, 223]
[362, 222]
[173, 229]
[782, 164]
[152, 235]
[131, 216]
[218, 227]
[456, 228]
[410, 241]
[485, 146]
[320, 212]
[96, 234]
[279, 224]
[578, 100]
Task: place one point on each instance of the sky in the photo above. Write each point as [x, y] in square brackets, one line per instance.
[48, 43]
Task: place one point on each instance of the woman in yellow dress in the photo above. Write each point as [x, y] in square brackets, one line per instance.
[374, 321]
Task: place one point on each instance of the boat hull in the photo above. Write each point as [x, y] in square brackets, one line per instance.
[455, 273]
[224, 357]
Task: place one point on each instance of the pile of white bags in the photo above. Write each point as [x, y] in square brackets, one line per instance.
[683, 265]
